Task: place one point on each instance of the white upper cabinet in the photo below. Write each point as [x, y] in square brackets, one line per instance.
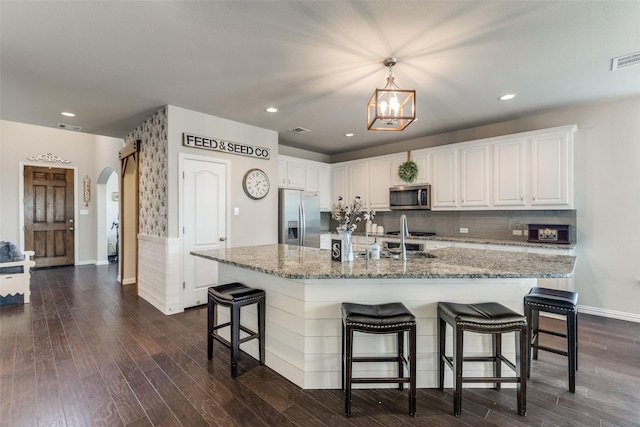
[474, 176]
[358, 184]
[421, 158]
[296, 175]
[379, 183]
[338, 183]
[534, 171]
[291, 173]
[551, 170]
[509, 173]
[306, 175]
[282, 172]
[529, 170]
[444, 169]
[311, 178]
[324, 187]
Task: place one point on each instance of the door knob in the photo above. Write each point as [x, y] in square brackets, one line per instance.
[70, 228]
[222, 239]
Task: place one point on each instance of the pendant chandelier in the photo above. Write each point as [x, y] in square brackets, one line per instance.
[391, 108]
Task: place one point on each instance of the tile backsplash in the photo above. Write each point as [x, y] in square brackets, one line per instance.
[480, 224]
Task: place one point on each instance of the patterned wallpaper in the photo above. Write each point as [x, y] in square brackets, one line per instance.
[153, 173]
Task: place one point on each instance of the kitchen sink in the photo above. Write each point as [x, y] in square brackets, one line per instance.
[396, 254]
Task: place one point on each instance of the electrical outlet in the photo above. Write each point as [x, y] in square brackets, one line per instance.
[517, 232]
[464, 230]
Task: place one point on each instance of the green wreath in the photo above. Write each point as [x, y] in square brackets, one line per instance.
[408, 171]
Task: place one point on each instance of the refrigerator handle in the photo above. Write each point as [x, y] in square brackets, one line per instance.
[303, 224]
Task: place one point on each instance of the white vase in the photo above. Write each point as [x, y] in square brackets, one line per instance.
[347, 241]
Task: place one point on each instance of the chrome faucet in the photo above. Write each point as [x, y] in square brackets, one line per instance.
[404, 232]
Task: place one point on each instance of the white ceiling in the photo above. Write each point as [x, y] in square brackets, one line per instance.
[114, 63]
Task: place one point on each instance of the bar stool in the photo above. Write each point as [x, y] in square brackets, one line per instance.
[555, 301]
[379, 319]
[234, 295]
[487, 318]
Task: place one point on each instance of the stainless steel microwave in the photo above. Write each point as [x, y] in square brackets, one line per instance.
[410, 197]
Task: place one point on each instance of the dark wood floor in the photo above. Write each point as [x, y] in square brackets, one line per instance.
[88, 352]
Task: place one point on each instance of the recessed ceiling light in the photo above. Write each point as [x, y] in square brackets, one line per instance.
[271, 110]
[349, 135]
[67, 114]
[507, 96]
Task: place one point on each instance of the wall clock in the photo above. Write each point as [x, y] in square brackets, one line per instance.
[255, 184]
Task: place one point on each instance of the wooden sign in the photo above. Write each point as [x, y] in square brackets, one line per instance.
[213, 144]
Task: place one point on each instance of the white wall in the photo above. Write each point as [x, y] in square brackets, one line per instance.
[257, 222]
[607, 195]
[88, 153]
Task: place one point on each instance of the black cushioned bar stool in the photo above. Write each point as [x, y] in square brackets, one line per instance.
[379, 319]
[234, 295]
[486, 318]
[559, 302]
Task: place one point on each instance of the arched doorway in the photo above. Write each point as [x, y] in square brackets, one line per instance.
[107, 220]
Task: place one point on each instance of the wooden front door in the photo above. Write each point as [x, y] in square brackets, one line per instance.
[48, 215]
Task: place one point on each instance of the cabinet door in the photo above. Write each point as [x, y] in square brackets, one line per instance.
[424, 168]
[379, 182]
[445, 179]
[282, 173]
[509, 173]
[550, 171]
[357, 184]
[312, 179]
[474, 176]
[324, 187]
[339, 183]
[296, 175]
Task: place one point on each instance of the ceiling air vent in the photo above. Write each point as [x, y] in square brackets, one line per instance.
[69, 127]
[299, 130]
[625, 61]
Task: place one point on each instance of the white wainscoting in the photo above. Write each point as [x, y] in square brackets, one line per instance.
[303, 323]
[159, 273]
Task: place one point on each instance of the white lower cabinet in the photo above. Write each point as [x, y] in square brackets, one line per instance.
[325, 240]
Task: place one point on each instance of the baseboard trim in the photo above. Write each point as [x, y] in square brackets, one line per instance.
[620, 315]
[89, 262]
[129, 281]
[103, 262]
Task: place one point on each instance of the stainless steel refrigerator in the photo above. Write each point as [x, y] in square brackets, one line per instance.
[299, 217]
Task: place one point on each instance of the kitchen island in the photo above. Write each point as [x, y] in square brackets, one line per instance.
[305, 289]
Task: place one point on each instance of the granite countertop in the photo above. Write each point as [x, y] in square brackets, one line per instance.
[296, 262]
[477, 240]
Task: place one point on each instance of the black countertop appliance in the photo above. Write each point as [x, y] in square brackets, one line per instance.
[549, 233]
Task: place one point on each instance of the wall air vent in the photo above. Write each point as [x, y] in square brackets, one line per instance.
[69, 127]
[625, 61]
[299, 130]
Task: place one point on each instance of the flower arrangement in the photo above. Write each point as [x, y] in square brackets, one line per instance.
[349, 215]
